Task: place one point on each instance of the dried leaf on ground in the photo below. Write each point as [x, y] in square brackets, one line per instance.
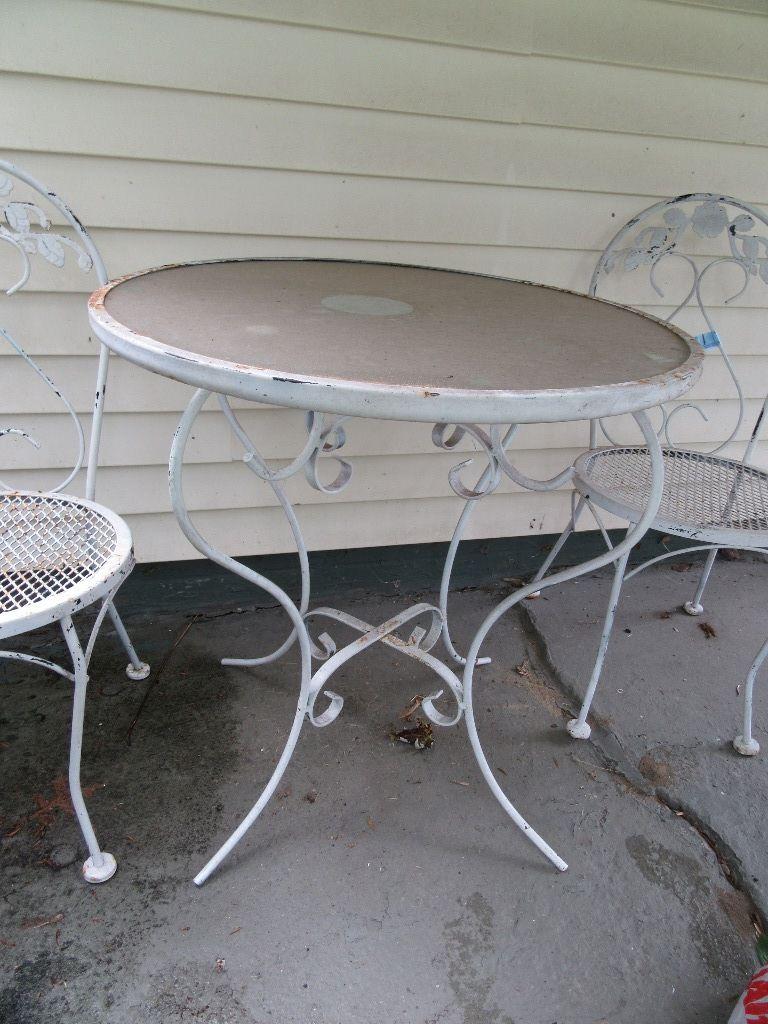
[411, 708]
[539, 687]
[60, 801]
[731, 554]
[419, 736]
[681, 566]
[311, 796]
[48, 807]
[658, 772]
[708, 630]
[665, 615]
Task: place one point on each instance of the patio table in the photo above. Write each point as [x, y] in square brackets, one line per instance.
[476, 356]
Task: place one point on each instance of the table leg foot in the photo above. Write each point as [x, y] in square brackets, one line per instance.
[96, 873]
[137, 673]
[579, 730]
[748, 747]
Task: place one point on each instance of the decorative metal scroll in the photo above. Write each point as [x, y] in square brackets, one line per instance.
[20, 220]
[658, 233]
[26, 228]
[709, 219]
[325, 436]
[493, 443]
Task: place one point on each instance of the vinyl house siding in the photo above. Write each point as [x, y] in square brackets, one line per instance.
[511, 138]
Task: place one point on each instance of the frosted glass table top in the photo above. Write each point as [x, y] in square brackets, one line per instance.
[393, 341]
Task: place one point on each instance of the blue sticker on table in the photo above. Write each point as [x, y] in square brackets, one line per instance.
[710, 339]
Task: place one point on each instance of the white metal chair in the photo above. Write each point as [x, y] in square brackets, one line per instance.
[716, 501]
[59, 554]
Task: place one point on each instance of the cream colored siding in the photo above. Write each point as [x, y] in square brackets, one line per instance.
[506, 137]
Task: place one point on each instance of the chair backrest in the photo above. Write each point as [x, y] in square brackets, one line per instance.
[702, 243]
[42, 230]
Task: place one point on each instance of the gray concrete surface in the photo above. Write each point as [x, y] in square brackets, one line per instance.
[671, 695]
[384, 883]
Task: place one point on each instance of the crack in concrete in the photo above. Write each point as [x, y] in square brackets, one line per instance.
[610, 750]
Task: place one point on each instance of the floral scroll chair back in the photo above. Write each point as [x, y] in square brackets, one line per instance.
[716, 248]
[58, 554]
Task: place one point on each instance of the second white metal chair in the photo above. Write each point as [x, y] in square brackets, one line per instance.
[717, 502]
[59, 554]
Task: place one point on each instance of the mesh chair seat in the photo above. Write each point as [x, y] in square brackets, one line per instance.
[705, 497]
[54, 548]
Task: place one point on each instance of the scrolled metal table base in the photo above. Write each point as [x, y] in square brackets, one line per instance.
[325, 437]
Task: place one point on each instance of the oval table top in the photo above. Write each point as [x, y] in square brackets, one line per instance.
[393, 341]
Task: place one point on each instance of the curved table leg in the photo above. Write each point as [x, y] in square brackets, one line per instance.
[261, 803]
[498, 792]
[572, 572]
[299, 629]
[445, 582]
[258, 466]
[483, 483]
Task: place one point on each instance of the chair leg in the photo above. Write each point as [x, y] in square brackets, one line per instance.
[558, 546]
[579, 727]
[746, 744]
[136, 669]
[100, 865]
[695, 607]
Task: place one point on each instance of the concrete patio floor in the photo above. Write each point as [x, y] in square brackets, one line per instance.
[384, 883]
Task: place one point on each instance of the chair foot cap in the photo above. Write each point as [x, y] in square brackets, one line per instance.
[579, 730]
[136, 674]
[693, 609]
[748, 747]
[102, 873]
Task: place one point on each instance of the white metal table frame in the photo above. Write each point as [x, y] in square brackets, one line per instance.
[456, 413]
